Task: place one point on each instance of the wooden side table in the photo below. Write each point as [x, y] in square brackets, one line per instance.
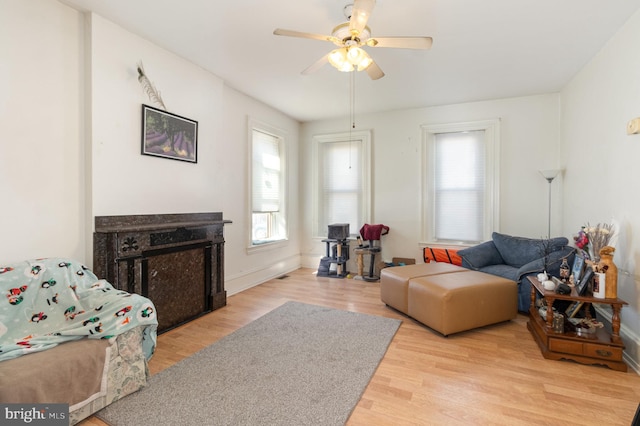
[600, 347]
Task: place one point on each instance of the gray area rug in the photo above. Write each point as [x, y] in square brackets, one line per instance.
[297, 365]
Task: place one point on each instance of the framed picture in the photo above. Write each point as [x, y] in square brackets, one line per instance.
[581, 286]
[169, 135]
[578, 266]
[573, 309]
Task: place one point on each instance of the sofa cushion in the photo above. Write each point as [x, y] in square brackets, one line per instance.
[553, 262]
[71, 373]
[503, 270]
[518, 251]
[479, 256]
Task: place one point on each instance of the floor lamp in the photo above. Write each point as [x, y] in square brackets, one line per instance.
[549, 175]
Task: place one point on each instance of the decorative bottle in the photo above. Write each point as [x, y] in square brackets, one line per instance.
[564, 270]
[610, 270]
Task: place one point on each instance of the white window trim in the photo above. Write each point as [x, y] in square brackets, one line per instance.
[361, 135]
[492, 173]
[253, 124]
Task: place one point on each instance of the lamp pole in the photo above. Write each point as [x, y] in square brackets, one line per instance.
[549, 175]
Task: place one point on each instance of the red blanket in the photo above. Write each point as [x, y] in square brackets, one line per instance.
[373, 232]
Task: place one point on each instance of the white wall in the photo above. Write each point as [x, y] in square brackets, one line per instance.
[246, 270]
[125, 182]
[529, 129]
[601, 161]
[42, 176]
[70, 110]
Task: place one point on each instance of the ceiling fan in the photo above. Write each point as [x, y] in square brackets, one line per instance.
[351, 36]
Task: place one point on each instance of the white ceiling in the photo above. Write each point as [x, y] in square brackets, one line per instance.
[482, 49]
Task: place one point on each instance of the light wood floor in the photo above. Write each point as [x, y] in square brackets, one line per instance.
[490, 376]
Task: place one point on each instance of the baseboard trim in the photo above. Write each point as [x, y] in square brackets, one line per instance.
[239, 282]
[631, 354]
[310, 260]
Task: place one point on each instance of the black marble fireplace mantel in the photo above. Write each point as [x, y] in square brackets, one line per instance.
[176, 260]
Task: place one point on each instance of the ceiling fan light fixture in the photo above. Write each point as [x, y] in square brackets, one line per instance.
[365, 62]
[355, 55]
[347, 59]
[340, 60]
[359, 58]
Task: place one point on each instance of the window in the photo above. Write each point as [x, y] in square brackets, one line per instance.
[341, 181]
[268, 218]
[460, 182]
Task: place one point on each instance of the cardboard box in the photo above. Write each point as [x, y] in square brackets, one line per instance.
[405, 260]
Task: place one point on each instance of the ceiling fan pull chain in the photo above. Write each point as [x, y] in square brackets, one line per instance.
[353, 100]
[352, 107]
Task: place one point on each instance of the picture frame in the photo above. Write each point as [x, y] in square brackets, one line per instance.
[581, 286]
[578, 267]
[573, 309]
[169, 135]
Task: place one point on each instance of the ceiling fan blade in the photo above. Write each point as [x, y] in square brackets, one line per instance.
[299, 34]
[360, 15]
[316, 66]
[374, 71]
[401, 42]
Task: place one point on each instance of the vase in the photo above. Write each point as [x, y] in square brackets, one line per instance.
[611, 291]
[599, 285]
[610, 270]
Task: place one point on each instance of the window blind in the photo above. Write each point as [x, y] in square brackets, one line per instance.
[341, 183]
[459, 186]
[266, 173]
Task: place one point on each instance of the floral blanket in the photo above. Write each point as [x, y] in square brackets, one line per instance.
[51, 301]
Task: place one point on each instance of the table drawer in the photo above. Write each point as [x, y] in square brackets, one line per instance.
[565, 346]
[603, 351]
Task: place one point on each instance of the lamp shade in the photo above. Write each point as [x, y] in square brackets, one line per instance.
[550, 174]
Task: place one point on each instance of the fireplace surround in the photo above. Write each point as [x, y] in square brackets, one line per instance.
[176, 260]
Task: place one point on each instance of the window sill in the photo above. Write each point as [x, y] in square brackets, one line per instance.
[269, 245]
[441, 244]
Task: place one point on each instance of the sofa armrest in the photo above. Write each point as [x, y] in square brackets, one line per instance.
[483, 254]
[553, 263]
[534, 267]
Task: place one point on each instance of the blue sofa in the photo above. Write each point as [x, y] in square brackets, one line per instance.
[516, 258]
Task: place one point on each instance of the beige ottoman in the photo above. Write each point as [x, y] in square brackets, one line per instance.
[459, 301]
[449, 298]
[394, 282]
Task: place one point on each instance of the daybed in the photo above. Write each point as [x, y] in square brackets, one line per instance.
[67, 337]
[515, 258]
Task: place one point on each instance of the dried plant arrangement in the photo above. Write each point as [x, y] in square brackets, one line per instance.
[149, 88]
